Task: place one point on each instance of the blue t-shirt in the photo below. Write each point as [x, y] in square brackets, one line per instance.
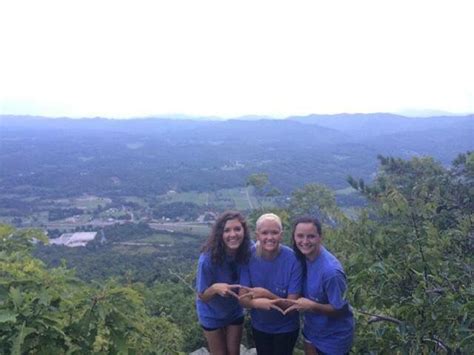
[326, 283]
[218, 311]
[282, 276]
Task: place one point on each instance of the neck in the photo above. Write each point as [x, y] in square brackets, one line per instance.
[313, 256]
[231, 252]
[270, 255]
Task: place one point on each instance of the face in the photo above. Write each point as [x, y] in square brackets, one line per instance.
[233, 235]
[307, 240]
[269, 235]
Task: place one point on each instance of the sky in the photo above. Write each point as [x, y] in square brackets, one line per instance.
[122, 59]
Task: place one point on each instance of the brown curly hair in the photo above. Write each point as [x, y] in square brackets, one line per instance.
[215, 244]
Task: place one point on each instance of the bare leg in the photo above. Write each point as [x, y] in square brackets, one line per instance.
[234, 336]
[216, 340]
[309, 349]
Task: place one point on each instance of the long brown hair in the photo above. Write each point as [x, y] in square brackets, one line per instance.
[215, 244]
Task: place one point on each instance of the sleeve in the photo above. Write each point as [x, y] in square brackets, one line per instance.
[335, 288]
[204, 277]
[245, 276]
[296, 278]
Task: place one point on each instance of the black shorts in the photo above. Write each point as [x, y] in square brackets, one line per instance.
[275, 344]
[238, 321]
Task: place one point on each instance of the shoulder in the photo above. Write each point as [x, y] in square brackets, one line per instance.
[331, 266]
[287, 253]
[253, 248]
[205, 258]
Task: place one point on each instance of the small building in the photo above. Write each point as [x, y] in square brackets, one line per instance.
[78, 239]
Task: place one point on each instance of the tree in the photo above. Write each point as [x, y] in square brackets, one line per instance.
[316, 200]
[49, 311]
[258, 180]
[409, 258]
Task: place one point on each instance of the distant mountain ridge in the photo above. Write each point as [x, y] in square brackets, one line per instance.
[153, 155]
[365, 125]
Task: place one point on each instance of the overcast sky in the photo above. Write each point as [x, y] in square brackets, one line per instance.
[230, 58]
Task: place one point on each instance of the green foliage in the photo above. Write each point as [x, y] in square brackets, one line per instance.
[316, 200]
[176, 301]
[258, 180]
[132, 251]
[409, 258]
[49, 311]
[176, 210]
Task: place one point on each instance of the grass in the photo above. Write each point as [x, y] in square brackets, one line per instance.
[138, 200]
[90, 202]
[188, 228]
[199, 198]
[157, 238]
[235, 198]
[135, 250]
[346, 191]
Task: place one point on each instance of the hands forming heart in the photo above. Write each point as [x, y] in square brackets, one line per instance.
[282, 305]
[285, 305]
[301, 304]
[225, 290]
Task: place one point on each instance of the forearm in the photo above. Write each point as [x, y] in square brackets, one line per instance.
[207, 294]
[268, 294]
[326, 309]
[252, 297]
[246, 302]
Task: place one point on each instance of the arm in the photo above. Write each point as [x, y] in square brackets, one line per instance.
[335, 288]
[251, 297]
[295, 286]
[221, 289]
[258, 292]
[264, 303]
[206, 286]
[307, 305]
[286, 303]
[257, 297]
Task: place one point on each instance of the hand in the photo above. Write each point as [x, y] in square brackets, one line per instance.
[301, 304]
[266, 304]
[256, 292]
[225, 290]
[283, 303]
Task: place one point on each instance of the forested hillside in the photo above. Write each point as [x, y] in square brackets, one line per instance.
[64, 157]
[408, 256]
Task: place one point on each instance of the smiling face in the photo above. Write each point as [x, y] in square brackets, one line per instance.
[307, 240]
[233, 235]
[269, 236]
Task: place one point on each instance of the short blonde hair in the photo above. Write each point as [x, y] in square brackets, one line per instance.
[260, 220]
[270, 217]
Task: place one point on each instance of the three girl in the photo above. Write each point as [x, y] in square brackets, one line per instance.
[270, 278]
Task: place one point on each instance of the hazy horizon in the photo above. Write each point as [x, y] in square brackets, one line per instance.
[408, 114]
[214, 59]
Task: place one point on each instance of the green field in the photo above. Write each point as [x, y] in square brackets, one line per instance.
[138, 200]
[346, 191]
[196, 229]
[135, 249]
[235, 198]
[90, 202]
[199, 198]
